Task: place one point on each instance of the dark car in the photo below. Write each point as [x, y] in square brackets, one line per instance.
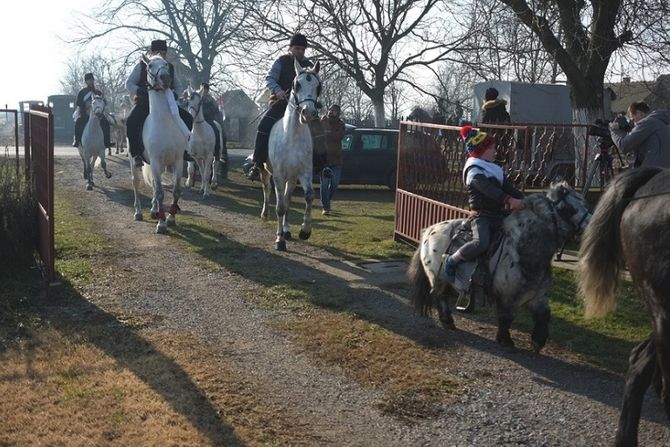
[369, 157]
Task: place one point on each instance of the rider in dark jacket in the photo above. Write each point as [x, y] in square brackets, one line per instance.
[137, 86]
[84, 98]
[280, 81]
[491, 196]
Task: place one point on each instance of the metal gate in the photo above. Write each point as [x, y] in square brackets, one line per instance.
[38, 128]
[431, 159]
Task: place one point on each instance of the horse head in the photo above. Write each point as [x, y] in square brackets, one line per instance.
[305, 92]
[158, 72]
[569, 205]
[194, 102]
[98, 106]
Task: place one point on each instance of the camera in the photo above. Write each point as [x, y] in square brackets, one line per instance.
[601, 129]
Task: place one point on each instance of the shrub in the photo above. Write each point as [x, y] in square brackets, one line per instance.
[18, 223]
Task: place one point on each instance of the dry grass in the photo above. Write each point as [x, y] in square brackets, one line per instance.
[413, 378]
[62, 386]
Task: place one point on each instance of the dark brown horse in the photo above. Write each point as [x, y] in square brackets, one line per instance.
[631, 225]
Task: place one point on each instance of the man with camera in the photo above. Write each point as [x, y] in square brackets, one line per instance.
[649, 139]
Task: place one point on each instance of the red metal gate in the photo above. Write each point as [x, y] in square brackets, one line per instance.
[431, 159]
[38, 130]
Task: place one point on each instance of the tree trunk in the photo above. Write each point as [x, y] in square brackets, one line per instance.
[587, 106]
[380, 113]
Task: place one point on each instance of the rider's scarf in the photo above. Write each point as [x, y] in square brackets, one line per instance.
[475, 166]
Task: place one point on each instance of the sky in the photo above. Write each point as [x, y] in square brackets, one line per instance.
[34, 56]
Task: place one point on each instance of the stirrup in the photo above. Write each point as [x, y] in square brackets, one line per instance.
[254, 173]
[327, 172]
[465, 303]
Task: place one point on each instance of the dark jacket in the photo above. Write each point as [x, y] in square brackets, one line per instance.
[487, 196]
[649, 140]
[334, 130]
[495, 111]
[210, 108]
[84, 98]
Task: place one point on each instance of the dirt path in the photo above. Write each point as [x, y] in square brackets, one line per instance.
[511, 399]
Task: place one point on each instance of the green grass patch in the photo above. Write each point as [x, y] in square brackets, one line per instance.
[78, 241]
[359, 227]
[605, 342]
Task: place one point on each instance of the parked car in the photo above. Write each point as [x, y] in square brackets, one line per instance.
[369, 157]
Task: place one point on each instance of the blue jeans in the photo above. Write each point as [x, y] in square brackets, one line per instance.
[329, 185]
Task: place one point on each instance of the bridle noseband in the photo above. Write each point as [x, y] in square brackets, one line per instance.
[295, 88]
[565, 213]
[151, 85]
[197, 111]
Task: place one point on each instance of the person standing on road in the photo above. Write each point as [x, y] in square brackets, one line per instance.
[333, 127]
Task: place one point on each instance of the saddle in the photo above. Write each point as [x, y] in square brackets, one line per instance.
[473, 279]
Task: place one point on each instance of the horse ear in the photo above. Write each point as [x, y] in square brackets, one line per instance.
[298, 67]
[317, 67]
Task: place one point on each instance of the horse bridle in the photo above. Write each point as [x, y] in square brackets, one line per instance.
[193, 108]
[565, 212]
[295, 90]
[150, 86]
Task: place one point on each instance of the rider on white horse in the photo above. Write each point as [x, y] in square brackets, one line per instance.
[279, 81]
[211, 113]
[137, 86]
[491, 196]
[83, 103]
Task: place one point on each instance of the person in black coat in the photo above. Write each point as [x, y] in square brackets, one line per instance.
[84, 98]
[494, 109]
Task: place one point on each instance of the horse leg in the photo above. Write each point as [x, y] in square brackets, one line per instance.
[306, 228]
[505, 319]
[641, 367]
[281, 208]
[157, 202]
[190, 170]
[176, 194]
[136, 173]
[288, 194]
[443, 310]
[103, 165]
[662, 334]
[89, 173]
[206, 173]
[539, 309]
[212, 166]
[267, 193]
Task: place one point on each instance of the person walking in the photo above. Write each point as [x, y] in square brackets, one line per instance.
[333, 128]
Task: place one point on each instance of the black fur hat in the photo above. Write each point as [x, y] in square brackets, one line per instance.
[88, 76]
[158, 45]
[491, 94]
[298, 40]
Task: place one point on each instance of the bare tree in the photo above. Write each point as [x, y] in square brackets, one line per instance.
[110, 77]
[198, 30]
[374, 42]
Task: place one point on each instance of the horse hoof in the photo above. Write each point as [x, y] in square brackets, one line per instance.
[448, 324]
[537, 347]
[171, 222]
[161, 229]
[280, 245]
[138, 217]
[108, 175]
[287, 235]
[89, 187]
[507, 346]
[214, 187]
[154, 215]
[303, 235]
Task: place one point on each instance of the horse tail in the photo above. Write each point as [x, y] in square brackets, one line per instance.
[419, 294]
[147, 175]
[600, 250]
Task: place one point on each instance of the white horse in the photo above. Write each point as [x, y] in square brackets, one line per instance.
[92, 142]
[117, 123]
[164, 144]
[201, 145]
[290, 154]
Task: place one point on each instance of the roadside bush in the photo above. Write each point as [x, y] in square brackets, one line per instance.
[18, 223]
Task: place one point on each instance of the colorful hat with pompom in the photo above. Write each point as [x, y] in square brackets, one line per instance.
[476, 142]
